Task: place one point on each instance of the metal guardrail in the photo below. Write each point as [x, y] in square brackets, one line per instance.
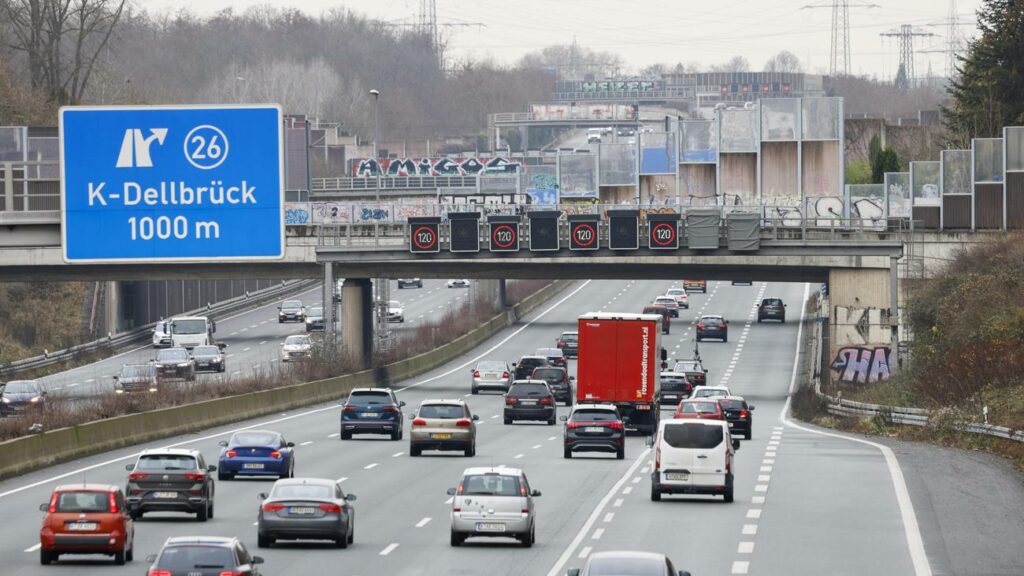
[898, 414]
[368, 183]
[116, 342]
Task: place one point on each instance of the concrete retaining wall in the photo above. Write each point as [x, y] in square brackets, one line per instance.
[23, 455]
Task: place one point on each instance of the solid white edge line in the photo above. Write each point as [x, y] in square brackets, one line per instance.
[556, 570]
[915, 544]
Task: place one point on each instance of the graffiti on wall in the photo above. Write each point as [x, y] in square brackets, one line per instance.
[857, 365]
[296, 213]
[434, 166]
[543, 189]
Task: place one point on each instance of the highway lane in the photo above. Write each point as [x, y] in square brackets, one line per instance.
[253, 339]
[791, 525]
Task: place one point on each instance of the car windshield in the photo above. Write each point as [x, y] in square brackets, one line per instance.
[732, 404]
[528, 390]
[676, 292]
[550, 352]
[296, 340]
[771, 302]
[166, 462]
[591, 415]
[686, 366]
[21, 387]
[172, 355]
[491, 366]
[665, 301]
[317, 311]
[394, 304]
[143, 371]
[185, 558]
[570, 337]
[368, 397]
[292, 304]
[206, 351]
[442, 411]
[556, 375]
[672, 381]
[708, 393]
[490, 485]
[532, 362]
[83, 501]
[624, 566]
[712, 320]
[693, 435]
[700, 408]
[188, 327]
[302, 491]
[255, 439]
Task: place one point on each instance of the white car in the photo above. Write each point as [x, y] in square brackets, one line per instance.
[162, 335]
[296, 347]
[493, 502]
[396, 313]
[410, 283]
[670, 303]
[693, 457]
[682, 298]
[458, 283]
[710, 392]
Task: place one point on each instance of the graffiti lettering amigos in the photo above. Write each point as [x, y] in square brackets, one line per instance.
[435, 166]
[862, 365]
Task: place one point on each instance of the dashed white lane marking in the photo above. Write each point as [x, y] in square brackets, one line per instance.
[537, 446]
[637, 479]
[761, 488]
[552, 438]
[745, 548]
[495, 416]
[754, 513]
[33, 548]
[90, 380]
[397, 454]
[764, 478]
[618, 503]
[766, 468]
[342, 479]
[73, 384]
[236, 372]
[609, 517]
[627, 490]
[749, 529]
[740, 567]
[518, 456]
[597, 534]
[371, 466]
[423, 522]
[243, 330]
[263, 342]
[306, 443]
[757, 499]
[335, 435]
[247, 349]
[449, 501]
[584, 552]
[768, 461]
[390, 548]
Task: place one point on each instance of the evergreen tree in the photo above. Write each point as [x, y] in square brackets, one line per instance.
[988, 92]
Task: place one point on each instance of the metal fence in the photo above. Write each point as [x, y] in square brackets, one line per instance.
[29, 186]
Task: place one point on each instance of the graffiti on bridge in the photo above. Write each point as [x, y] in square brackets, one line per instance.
[856, 365]
[296, 214]
[435, 166]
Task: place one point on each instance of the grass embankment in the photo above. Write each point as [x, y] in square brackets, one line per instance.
[40, 316]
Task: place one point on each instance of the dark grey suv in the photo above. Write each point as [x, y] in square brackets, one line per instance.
[204, 556]
[170, 480]
[771, 309]
[530, 400]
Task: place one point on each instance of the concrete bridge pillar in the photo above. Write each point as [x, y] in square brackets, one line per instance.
[357, 319]
[502, 294]
[863, 324]
[112, 307]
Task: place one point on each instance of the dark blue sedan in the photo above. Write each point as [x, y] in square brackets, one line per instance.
[256, 453]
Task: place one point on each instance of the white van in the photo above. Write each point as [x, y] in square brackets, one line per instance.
[693, 457]
[191, 331]
[593, 135]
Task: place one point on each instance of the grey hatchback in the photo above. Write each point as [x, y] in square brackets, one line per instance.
[170, 480]
[204, 556]
[306, 509]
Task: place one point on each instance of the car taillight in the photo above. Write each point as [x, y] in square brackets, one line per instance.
[561, 344]
[419, 422]
[546, 400]
[194, 476]
[231, 453]
[159, 573]
[273, 507]
[657, 457]
[701, 326]
[463, 422]
[331, 508]
[138, 476]
[572, 425]
[389, 409]
[476, 374]
[112, 499]
[504, 374]
[722, 326]
[744, 414]
[615, 425]
[275, 455]
[53, 503]
[511, 399]
[350, 409]
[231, 573]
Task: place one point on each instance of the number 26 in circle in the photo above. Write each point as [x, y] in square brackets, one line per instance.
[206, 147]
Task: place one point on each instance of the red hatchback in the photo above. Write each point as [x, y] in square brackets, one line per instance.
[708, 409]
[86, 519]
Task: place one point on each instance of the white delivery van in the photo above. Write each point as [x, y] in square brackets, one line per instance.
[693, 457]
[191, 331]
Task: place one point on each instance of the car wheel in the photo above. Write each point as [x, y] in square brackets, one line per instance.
[135, 514]
[396, 434]
[345, 435]
[210, 515]
[620, 454]
[508, 420]
[45, 558]
[414, 451]
[726, 339]
[655, 493]
[698, 338]
[471, 451]
[457, 538]
[728, 494]
[551, 422]
[352, 535]
[129, 555]
[567, 452]
[341, 542]
[204, 514]
[225, 476]
[474, 390]
[528, 539]
[748, 435]
[119, 557]
[264, 541]
[758, 319]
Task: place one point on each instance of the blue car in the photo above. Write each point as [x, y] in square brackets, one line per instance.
[256, 453]
[372, 411]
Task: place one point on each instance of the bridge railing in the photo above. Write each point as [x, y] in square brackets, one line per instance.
[29, 186]
[368, 183]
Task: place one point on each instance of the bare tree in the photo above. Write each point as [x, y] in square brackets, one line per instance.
[573, 61]
[735, 64]
[784, 61]
[62, 40]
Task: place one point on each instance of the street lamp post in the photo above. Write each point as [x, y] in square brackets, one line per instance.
[382, 284]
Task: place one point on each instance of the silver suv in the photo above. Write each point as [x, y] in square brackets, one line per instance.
[493, 502]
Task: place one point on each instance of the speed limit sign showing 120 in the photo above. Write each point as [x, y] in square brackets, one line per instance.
[663, 231]
[423, 238]
[504, 233]
[583, 232]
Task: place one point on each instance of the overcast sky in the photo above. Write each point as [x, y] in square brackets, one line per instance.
[645, 32]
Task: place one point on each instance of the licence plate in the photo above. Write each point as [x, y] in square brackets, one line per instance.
[528, 402]
[253, 466]
[302, 511]
[81, 526]
[593, 429]
[677, 476]
[165, 495]
[489, 527]
[441, 436]
[371, 414]
[731, 424]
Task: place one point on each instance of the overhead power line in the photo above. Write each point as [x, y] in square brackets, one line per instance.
[839, 54]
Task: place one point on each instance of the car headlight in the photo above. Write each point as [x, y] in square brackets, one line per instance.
[6, 400]
[183, 365]
[35, 399]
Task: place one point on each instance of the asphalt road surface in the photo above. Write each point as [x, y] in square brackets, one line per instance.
[808, 502]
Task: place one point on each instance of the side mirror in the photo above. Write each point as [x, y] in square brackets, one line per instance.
[282, 344]
[412, 414]
[259, 560]
[684, 573]
[401, 403]
[705, 370]
[572, 378]
[222, 345]
[116, 378]
[278, 307]
[572, 572]
[129, 467]
[450, 492]
[726, 321]
[751, 408]
[735, 444]
[475, 417]
[350, 497]
[290, 444]
[535, 493]
[211, 468]
[625, 419]
[223, 443]
[514, 364]
[664, 355]
[261, 496]
[151, 558]
[649, 442]
[44, 507]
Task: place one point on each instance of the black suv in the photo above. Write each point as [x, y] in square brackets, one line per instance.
[558, 381]
[738, 414]
[410, 282]
[372, 411]
[694, 371]
[526, 365]
[594, 428]
[209, 358]
[674, 387]
[771, 309]
[170, 480]
[174, 363]
[530, 400]
[712, 327]
[569, 343]
[291, 311]
[204, 556]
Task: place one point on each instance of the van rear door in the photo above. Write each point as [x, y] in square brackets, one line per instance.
[694, 453]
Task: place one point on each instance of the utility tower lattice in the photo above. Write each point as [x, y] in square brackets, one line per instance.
[839, 54]
[428, 22]
[906, 34]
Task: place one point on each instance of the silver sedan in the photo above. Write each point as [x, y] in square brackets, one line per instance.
[491, 374]
[306, 509]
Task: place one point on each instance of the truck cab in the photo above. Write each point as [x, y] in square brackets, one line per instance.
[191, 331]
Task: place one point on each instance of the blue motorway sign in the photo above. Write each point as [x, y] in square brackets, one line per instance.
[176, 184]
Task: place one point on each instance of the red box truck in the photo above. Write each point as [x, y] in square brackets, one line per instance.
[618, 363]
